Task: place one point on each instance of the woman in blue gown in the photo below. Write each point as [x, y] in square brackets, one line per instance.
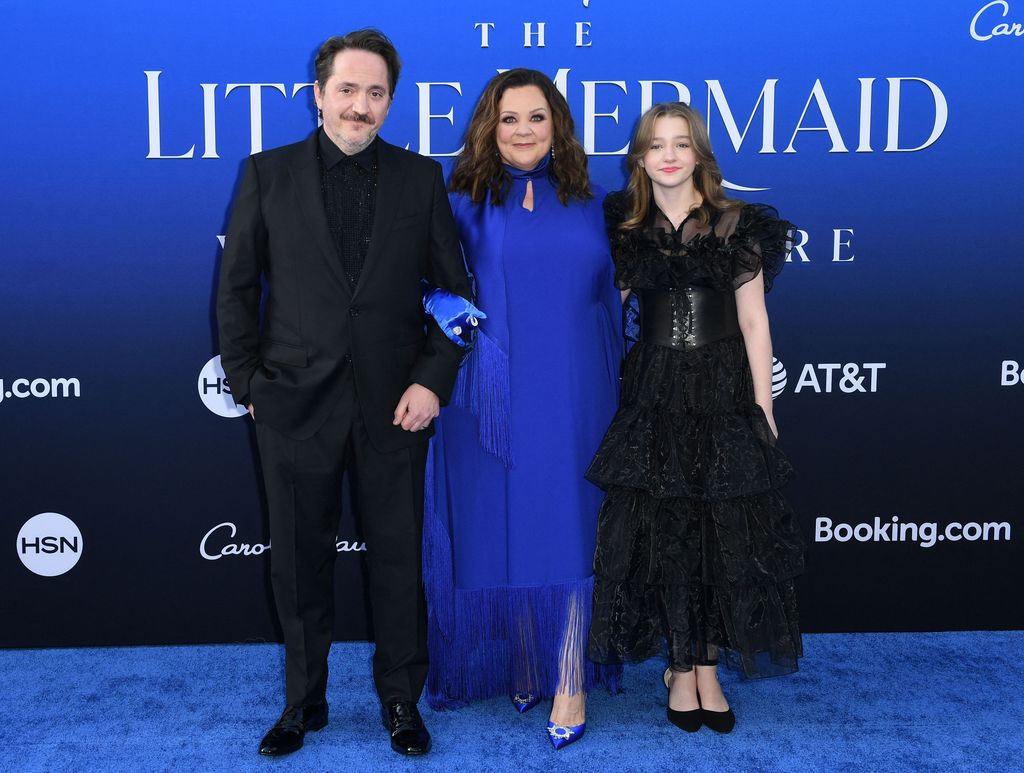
[511, 521]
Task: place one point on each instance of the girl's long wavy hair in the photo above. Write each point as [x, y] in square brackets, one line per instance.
[479, 169]
[707, 178]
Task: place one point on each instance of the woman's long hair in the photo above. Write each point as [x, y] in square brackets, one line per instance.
[479, 168]
[707, 178]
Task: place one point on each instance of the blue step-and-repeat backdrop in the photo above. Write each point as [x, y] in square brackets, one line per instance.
[891, 133]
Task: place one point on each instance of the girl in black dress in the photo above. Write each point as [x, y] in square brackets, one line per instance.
[696, 546]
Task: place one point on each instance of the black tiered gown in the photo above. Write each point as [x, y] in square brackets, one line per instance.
[696, 546]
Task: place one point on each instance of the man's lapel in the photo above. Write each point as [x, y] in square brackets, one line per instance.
[389, 191]
[309, 191]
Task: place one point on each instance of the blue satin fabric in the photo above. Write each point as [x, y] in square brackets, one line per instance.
[454, 314]
[482, 231]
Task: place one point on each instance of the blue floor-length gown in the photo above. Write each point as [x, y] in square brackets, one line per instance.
[510, 520]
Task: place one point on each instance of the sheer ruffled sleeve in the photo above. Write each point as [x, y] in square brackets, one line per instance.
[623, 244]
[759, 244]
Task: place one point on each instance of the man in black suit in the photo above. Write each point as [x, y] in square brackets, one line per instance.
[343, 371]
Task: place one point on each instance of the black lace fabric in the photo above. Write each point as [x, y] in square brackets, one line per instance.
[696, 549]
[727, 252]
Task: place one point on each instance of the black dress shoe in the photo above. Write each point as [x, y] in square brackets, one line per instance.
[719, 721]
[690, 721]
[403, 722]
[286, 736]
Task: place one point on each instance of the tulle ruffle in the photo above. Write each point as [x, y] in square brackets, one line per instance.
[742, 542]
[688, 427]
[653, 258]
[702, 580]
[706, 456]
[760, 243]
[753, 630]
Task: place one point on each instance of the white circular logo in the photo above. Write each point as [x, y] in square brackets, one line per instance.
[778, 377]
[215, 392]
[49, 544]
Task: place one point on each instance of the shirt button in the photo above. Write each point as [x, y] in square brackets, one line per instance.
[354, 311]
[348, 358]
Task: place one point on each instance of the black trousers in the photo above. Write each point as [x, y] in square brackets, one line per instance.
[303, 484]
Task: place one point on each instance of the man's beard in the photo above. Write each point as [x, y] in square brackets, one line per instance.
[351, 148]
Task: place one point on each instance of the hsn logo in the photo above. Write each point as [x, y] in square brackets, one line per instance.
[49, 544]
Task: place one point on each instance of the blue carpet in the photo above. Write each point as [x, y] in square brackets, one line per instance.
[872, 702]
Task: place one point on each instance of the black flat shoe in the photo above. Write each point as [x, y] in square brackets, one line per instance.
[403, 722]
[689, 721]
[287, 735]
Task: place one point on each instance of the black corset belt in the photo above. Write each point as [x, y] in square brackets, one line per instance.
[687, 317]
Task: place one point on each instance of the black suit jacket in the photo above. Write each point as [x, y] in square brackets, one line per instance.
[287, 352]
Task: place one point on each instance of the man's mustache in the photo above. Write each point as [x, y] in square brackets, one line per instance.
[360, 117]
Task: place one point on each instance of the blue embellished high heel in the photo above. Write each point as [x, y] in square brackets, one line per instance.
[563, 735]
[524, 701]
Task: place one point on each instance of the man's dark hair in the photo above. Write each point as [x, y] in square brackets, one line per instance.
[372, 40]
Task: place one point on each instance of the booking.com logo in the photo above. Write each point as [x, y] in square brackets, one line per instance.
[924, 534]
[21, 388]
[1011, 375]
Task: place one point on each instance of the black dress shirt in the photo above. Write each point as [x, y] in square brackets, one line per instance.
[350, 189]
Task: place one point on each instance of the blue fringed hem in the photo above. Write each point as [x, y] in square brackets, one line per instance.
[512, 639]
[499, 641]
[482, 387]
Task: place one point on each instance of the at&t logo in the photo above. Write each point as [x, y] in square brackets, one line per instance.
[215, 393]
[828, 377]
[49, 544]
[779, 377]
